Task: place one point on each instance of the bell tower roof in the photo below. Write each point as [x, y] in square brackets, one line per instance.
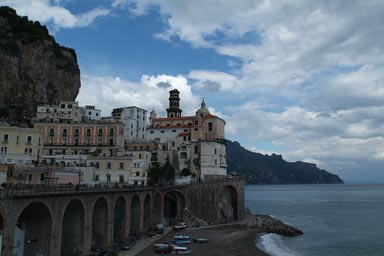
[174, 104]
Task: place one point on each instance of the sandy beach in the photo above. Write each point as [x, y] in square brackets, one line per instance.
[228, 240]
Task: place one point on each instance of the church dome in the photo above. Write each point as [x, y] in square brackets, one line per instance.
[202, 110]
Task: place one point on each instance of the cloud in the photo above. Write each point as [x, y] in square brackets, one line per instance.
[52, 14]
[152, 92]
[213, 81]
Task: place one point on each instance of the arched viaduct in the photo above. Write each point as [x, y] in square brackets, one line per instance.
[54, 221]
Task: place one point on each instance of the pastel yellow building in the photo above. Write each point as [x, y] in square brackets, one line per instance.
[19, 146]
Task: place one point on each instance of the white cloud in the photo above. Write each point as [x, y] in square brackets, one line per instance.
[213, 81]
[107, 93]
[50, 12]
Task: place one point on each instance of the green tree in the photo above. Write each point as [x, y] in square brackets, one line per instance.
[154, 173]
[168, 170]
[161, 172]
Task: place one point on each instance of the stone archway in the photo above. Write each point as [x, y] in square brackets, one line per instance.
[147, 223]
[135, 215]
[228, 205]
[33, 231]
[72, 236]
[100, 223]
[174, 203]
[119, 220]
[158, 208]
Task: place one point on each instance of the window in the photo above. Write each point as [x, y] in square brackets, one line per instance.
[50, 142]
[196, 122]
[121, 178]
[141, 148]
[62, 106]
[76, 142]
[5, 139]
[111, 132]
[89, 113]
[139, 156]
[17, 139]
[65, 132]
[151, 132]
[173, 130]
[185, 130]
[122, 165]
[196, 149]
[183, 155]
[215, 151]
[97, 114]
[88, 142]
[77, 132]
[209, 126]
[97, 165]
[64, 141]
[100, 132]
[184, 138]
[215, 161]
[137, 174]
[3, 151]
[100, 141]
[88, 132]
[111, 142]
[173, 144]
[162, 131]
[69, 105]
[28, 151]
[109, 165]
[29, 139]
[51, 132]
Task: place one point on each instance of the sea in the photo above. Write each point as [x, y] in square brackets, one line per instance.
[342, 219]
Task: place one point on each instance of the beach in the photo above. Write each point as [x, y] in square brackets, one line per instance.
[226, 240]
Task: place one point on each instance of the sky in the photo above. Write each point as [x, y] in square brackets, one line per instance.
[304, 79]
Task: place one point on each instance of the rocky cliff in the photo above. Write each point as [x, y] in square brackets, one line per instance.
[34, 68]
[265, 169]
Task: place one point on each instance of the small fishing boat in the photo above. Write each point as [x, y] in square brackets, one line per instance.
[200, 240]
[184, 252]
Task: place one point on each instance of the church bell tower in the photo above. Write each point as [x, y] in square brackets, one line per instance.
[174, 104]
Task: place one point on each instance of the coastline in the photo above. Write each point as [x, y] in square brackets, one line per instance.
[224, 240]
[231, 239]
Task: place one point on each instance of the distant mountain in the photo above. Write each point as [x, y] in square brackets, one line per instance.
[265, 169]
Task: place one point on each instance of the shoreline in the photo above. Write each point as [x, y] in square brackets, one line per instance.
[231, 239]
[224, 240]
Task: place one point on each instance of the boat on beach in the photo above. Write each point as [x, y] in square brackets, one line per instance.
[184, 252]
[200, 240]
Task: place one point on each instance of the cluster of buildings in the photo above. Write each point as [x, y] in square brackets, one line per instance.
[73, 144]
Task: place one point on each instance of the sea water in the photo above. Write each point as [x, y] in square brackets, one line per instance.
[340, 219]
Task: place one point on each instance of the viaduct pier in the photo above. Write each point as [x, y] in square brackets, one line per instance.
[72, 220]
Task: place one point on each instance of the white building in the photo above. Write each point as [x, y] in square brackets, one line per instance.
[90, 113]
[196, 143]
[134, 120]
[65, 112]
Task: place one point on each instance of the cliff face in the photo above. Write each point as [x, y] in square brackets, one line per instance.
[34, 68]
[264, 169]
